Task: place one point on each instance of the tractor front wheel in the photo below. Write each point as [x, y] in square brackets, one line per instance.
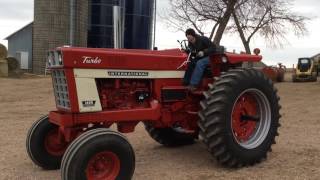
[240, 117]
[98, 154]
[44, 146]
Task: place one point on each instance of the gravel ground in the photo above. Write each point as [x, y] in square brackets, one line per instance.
[295, 156]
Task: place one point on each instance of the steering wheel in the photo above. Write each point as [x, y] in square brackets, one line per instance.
[183, 45]
[186, 49]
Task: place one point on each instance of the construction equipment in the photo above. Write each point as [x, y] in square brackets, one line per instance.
[234, 112]
[306, 70]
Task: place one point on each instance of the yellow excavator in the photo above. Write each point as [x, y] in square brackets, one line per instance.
[306, 70]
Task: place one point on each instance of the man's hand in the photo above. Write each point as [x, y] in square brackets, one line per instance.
[200, 54]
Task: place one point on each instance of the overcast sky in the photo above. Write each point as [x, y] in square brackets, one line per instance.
[15, 14]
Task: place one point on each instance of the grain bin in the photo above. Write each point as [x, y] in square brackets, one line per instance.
[100, 33]
[57, 23]
[139, 24]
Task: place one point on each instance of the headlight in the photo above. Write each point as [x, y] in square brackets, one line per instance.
[60, 58]
[50, 59]
[224, 59]
[54, 58]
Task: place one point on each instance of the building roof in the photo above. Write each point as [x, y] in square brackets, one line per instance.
[317, 55]
[8, 37]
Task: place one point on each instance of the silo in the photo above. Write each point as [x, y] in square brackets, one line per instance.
[100, 29]
[51, 27]
[139, 24]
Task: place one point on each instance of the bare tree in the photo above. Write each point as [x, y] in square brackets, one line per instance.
[201, 15]
[272, 19]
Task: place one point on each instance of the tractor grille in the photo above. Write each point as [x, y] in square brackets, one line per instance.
[60, 89]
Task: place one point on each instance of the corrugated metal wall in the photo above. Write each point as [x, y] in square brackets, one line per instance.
[51, 28]
[21, 41]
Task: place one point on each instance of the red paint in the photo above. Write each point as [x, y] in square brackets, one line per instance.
[137, 59]
[275, 73]
[127, 127]
[124, 58]
[238, 58]
[53, 144]
[103, 166]
[118, 94]
[131, 115]
[245, 105]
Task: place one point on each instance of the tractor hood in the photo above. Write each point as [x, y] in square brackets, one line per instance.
[133, 59]
[92, 58]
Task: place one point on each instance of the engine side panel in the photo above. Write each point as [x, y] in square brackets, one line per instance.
[106, 89]
[88, 97]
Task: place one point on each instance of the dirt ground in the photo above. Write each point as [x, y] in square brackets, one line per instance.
[295, 156]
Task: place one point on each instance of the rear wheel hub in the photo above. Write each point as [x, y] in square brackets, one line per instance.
[251, 118]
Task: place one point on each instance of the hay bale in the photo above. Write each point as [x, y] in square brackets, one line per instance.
[13, 64]
[13, 67]
[3, 52]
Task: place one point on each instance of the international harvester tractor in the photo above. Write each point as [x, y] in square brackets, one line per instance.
[234, 112]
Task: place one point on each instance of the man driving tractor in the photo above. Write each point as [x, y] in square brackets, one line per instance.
[201, 47]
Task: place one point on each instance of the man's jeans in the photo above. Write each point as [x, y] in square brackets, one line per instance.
[195, 71]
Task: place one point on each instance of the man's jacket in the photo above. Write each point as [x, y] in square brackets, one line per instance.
[202, 44]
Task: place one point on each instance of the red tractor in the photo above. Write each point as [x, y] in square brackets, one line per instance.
[275, 73]
[235, 111]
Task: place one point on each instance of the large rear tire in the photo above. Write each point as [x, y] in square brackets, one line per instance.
[98, 154]
[169, 137]
[239, 119]
[43, 144]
